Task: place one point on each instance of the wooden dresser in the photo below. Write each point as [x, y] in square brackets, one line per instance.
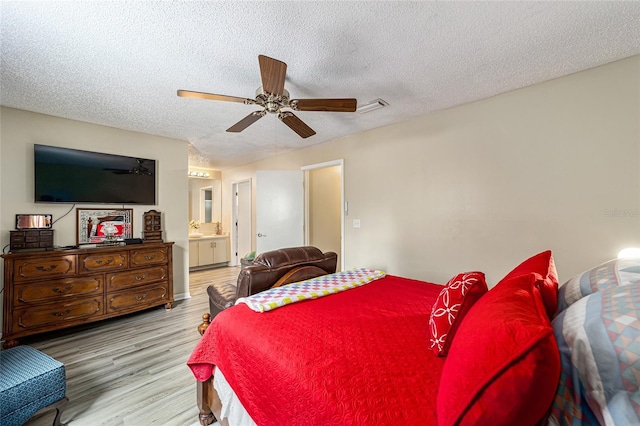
[54, 289]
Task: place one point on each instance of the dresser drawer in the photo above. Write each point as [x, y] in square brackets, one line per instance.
[138, 298]
[136, 278]
[60, 313]
[92, 263]
[25, 294]
[44, 268]
[148, 256]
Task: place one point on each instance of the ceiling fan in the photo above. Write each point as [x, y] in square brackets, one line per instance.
[273, 97]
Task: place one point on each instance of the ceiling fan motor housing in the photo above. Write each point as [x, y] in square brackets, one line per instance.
[272, 103]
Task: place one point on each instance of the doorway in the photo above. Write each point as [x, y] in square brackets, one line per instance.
[324, 201]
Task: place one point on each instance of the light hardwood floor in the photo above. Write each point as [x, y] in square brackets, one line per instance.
[132, 370]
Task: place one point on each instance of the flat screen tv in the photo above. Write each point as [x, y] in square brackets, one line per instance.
[64, 175]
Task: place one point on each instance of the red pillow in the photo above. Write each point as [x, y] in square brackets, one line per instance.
[503, 366]
[452, 304]
[543, 265]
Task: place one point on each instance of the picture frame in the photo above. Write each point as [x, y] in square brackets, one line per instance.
[34, 221]
[102, 226]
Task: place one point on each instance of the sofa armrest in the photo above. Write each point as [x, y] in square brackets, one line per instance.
[221, 297]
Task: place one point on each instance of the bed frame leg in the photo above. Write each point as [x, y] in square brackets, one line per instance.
[204, 395]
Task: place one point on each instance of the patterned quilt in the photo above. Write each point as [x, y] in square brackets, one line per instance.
[310, 289]
[367, 349]
[597, 328]
[599, 341]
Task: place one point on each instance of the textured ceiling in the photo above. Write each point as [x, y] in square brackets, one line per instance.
[119, 63]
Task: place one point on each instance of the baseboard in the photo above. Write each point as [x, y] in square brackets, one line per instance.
[182, 296]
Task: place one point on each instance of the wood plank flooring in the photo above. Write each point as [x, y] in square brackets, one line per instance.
[132, 370]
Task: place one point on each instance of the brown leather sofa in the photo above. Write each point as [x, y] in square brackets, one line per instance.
[273, 268]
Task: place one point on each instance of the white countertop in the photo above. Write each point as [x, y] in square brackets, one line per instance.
[207, 237]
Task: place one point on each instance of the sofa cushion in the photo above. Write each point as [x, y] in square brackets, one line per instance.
[451, 306]
[288, 256]
[503, 364]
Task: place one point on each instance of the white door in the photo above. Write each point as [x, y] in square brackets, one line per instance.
[279, 209]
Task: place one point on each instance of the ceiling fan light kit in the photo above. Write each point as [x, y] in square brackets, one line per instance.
[273, 97]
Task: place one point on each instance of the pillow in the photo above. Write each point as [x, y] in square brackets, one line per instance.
[503, 366]
[598, 338]
[543, 265]
[616, 272]
[452, 304]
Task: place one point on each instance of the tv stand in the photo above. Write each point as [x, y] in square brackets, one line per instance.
[50, 290]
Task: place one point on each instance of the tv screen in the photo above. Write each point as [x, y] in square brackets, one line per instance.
[64, 175]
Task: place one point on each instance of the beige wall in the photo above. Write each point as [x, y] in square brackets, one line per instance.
[21, 129]
[485, 185]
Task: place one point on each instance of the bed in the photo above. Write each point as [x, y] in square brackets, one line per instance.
[390, 350]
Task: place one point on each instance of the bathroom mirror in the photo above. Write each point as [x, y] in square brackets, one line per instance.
[205, 200]
[33, 221]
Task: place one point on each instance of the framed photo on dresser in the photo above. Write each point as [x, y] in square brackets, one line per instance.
[97, 226]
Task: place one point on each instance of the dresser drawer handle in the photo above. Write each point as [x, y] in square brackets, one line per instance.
[144, 295]
[140, 278]
[147, 257]
[61, 314]
[64, 290]
[102, 262]
[46, 268]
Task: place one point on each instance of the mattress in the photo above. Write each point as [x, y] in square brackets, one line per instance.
[232, 408]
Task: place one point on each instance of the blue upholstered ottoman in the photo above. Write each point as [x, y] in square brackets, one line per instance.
[29, 382]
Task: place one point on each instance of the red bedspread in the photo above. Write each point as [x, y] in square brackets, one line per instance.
[359, 357]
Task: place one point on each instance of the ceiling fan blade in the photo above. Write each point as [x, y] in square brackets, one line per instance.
[214, 97]
[273, 73]
[296, 124]
[336, 105]
[247, 121]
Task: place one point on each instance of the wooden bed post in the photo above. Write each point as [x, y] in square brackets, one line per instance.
[205, 401]
[208, 401]
[206, 322]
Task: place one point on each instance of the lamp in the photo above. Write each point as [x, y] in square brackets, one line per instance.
[371, 106]
[629, 253]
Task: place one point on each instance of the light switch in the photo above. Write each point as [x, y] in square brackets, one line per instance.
[356, 223]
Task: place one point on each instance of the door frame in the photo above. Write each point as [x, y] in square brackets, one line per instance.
[235, 255]
[305, 179]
